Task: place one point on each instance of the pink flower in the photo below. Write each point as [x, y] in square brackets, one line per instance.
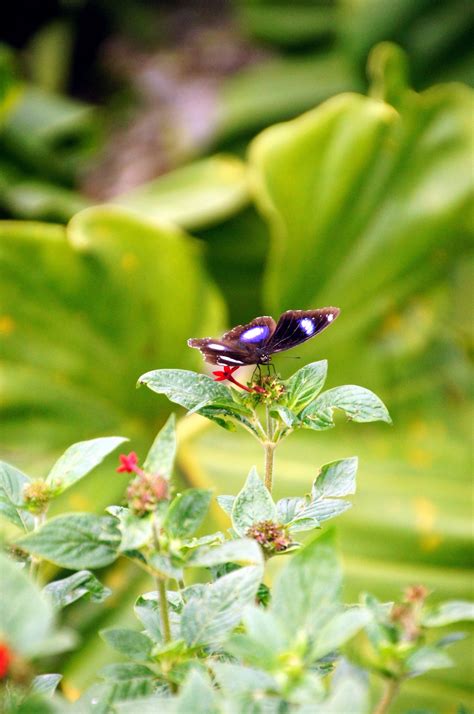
[128, 464]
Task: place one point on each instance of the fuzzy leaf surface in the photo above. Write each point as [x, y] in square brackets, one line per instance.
[160, 458]
[12, 483]
[358, 403]
[208, 618]
[252, 505]
[81, 584]
[187, 512]
[81, 458]
[76, 541]
[304, 386]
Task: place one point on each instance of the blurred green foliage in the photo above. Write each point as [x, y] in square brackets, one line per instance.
[363, 202]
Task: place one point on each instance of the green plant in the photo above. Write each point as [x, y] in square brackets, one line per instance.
[223, 639]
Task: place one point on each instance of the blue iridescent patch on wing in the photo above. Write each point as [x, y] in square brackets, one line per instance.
[307, 325]
[255, 334]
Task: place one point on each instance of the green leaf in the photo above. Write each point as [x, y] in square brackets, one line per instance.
[319, 510]
[148, 705]
[339, 630]
[236, 680]
[75, 541]
[207, 619]
[46, 684]
[136, 531]
[288, 508]
[12, 483]
[126, 670]
[63, 372]
[349, 692]
[197, 695]
[191, 390]
[358, 403]
[160, 458]
[186, 512]
[306, 591]
[166, 566]
[304, 386]
[81, 584]
[252, 505]
[147, 609]
[26, 615]
[133, 644]
[286, 415]
[79, 459]
[426, 658]
[226, 503]
[447, 613]
[194, 195]
[336, 478]
[244, 551]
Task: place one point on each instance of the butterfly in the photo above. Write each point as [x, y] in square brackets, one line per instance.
[256, 342]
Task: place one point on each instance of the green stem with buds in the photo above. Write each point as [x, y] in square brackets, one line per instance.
[388, 695]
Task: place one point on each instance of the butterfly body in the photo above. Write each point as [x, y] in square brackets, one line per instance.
[256, 342]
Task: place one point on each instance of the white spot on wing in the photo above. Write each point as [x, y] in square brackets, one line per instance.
[254, 334]
[307, 325]
[214, 346]
[229, 359]
[330, 317]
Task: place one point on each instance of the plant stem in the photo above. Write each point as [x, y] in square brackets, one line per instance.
[388, 695]
[35, 562]
[164, 612]
[269, 446]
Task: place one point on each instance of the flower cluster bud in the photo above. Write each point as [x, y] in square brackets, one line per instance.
[271, 536]
[145, 492]
[37, 495]
[270, 389]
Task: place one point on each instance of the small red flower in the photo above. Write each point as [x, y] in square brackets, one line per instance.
[228, 374]
[5, 660]
[221, 376]
[128, 464]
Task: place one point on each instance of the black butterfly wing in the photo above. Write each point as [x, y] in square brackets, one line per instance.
[296, 326]
[239, 346]
[222, 353]
[255, 334]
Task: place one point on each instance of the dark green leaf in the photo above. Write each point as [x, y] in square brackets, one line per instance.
[160, 458]
[76, 541]
[81, 584]
[186, 512]
[79, 459]
[133, 644]
[252, 505]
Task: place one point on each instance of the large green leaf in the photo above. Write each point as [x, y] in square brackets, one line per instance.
[197, 195]
[108, 298]
[377, 179]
